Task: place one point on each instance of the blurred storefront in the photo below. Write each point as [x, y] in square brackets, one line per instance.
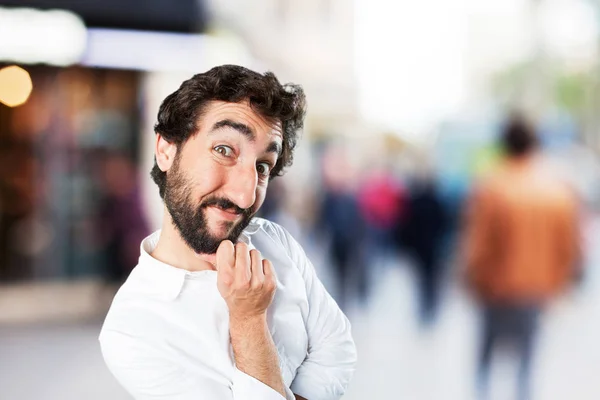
[71, 203]
[56, 150]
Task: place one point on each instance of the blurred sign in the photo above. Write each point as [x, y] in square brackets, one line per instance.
[29, 36]
[162, 15]
[60, 38]
[161, 51]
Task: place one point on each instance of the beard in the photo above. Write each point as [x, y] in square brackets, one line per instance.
[190, 219]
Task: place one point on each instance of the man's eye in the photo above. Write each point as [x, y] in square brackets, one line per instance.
[263, 169]
[225, 151]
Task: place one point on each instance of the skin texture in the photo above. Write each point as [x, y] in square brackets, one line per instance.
[229, 159]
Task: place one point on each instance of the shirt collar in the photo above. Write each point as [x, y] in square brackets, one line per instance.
[167, 280]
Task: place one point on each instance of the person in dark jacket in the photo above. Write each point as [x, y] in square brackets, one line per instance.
[422, 234]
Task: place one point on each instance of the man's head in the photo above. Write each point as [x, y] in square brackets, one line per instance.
[518, 137]
[220, 138]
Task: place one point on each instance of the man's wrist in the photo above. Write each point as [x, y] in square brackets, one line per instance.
[243, 324]
[254, 351]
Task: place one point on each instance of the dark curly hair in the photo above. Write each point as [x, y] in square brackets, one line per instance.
[179, 113]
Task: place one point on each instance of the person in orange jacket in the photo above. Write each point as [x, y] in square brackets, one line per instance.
[521, 247]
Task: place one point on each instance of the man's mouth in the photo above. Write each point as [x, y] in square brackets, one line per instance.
[229, 210]
[225, 206]
[225, 213]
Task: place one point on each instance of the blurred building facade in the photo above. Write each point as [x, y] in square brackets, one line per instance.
[71, 154]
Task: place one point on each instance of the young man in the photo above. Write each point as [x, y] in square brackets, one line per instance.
[223, 305]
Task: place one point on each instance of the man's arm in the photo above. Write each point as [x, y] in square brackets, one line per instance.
[254, 351]
[331, 357]
[247, 284]
[568, 243]
[478, 236]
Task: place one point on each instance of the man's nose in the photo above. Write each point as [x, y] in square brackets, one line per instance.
[241, 186]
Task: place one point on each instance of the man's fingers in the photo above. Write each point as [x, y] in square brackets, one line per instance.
[225, 255]
[270, 280]
[258, 275]
[242, 264]
[226, 261]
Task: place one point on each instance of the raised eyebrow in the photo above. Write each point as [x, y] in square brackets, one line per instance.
[274, 147]
[241, 128]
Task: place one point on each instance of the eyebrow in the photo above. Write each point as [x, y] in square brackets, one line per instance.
[241, 128]
[274, 147]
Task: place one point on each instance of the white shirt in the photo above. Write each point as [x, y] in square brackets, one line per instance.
[166, 335]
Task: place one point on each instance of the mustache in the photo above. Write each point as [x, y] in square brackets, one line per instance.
[224, 204]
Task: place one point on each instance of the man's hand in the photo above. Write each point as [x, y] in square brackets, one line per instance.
[247, 283]
[245, 280]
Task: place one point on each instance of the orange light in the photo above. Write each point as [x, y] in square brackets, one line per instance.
[15, 86]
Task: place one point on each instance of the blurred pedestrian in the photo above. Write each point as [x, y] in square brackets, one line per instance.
[421, 234]
[521, 248]
[381, 198]
[340, 220]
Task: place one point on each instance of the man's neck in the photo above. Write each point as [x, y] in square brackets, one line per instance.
[171, 249]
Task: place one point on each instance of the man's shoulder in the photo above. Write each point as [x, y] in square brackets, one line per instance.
[272, 238]
[143, 297]
[490, 184]
[260, 227]
[133, 298]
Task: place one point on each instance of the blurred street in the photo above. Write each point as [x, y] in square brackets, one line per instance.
[396, 359]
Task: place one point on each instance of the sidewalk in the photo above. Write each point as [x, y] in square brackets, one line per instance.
[34, 303]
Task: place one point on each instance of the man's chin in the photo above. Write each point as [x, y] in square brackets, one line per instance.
[208, 247]
[225, 231]
[222, 231]
[214, 240]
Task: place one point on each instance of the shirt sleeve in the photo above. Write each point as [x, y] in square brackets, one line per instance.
[148, 375]
[330, 363]
[246, 387]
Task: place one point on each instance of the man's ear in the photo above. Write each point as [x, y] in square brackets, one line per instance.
[165, 153]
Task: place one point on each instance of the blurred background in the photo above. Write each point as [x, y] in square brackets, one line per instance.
[407, 100]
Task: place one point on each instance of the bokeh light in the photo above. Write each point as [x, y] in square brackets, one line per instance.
[15, 86]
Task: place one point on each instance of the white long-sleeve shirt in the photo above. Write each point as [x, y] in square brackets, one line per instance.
[166, 335]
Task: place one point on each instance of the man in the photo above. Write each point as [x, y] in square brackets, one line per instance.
[521, 247]
[223, 305]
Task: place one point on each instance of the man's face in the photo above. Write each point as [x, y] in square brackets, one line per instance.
[219, 177]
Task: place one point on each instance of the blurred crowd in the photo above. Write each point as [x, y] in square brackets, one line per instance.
[512, 240]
